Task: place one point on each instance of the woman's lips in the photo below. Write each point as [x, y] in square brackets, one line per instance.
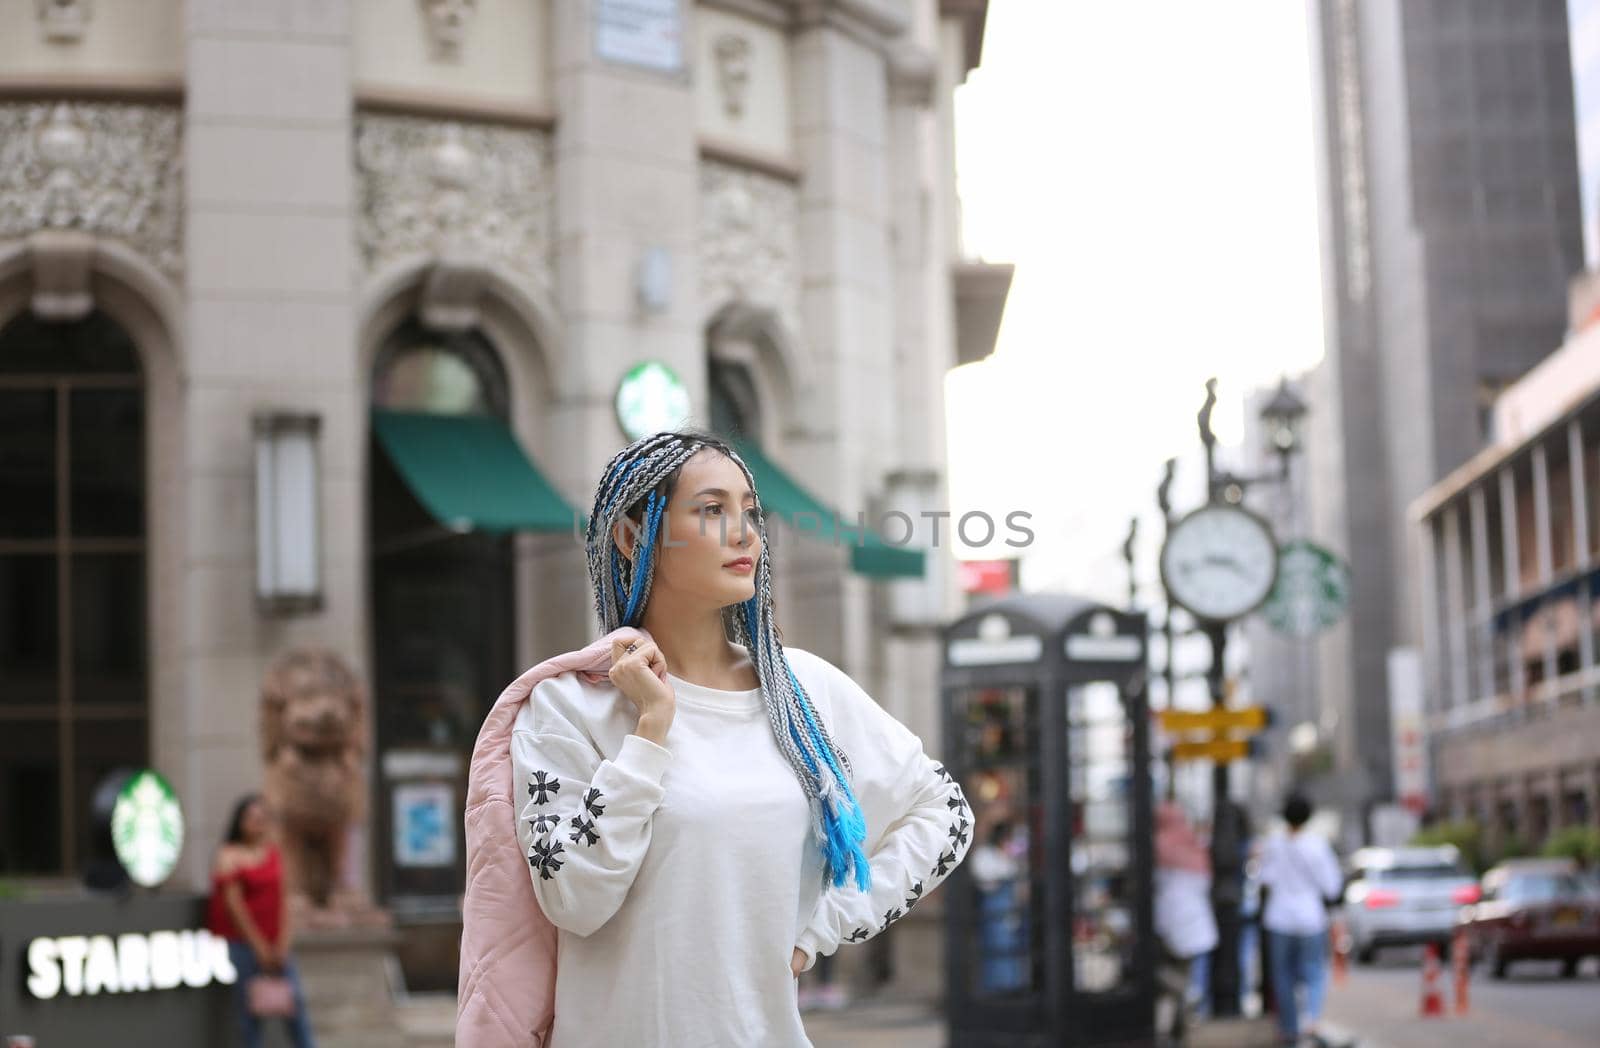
[742, 565]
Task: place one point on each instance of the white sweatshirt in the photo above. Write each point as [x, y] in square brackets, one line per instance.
[682, 878]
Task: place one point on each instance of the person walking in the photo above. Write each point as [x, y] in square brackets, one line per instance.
[1301, 876]
[1184, 921]
[702, 811]
[248, 907]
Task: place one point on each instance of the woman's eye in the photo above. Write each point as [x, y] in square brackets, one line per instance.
[708, 507]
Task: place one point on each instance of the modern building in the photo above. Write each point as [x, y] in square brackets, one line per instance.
[1512, 541]
[1450, 225]
[319, 319]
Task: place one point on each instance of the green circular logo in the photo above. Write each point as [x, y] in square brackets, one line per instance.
[650, 398]
[147, 828]
[1312, 591]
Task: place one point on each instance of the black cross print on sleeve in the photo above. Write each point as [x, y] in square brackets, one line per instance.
[859, 935]
[583, 832]
[915, 896]
[958, 833]
[591, 801]
[544, 858]
[543, 786]
[890, 916]
[544, 822]
[946, 861]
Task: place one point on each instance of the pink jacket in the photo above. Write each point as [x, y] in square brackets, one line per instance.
[507, 988]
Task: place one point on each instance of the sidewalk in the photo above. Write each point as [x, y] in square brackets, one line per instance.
[877, 1024]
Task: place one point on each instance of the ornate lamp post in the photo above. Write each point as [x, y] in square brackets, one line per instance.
[1220, 564]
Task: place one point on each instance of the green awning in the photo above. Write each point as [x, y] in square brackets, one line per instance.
[470, 473]
[870, 554]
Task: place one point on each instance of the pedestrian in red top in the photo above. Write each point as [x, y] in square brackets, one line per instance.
[248, 907]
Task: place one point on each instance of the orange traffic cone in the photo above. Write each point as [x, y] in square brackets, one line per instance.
[1461, 959]
[1432, 996]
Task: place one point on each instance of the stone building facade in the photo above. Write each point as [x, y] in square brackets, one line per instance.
[222, 219]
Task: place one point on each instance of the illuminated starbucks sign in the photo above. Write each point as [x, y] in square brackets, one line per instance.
[147, 828]
[650, 398]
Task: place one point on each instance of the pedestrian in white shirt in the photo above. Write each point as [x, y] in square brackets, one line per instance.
[1301, 876]
[722, 810]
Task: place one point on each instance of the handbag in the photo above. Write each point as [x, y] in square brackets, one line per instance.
[270, 996]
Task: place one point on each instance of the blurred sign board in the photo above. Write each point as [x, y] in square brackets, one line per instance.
[988, 576]
[424, 824]
[643, 33]
[1250, 718]
[1219, 750]
[1409, 742]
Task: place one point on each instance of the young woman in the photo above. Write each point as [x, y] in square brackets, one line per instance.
[721, 810]
[1300, 873]
[248, 908]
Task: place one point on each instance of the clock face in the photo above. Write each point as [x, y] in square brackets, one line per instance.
[1220, 562]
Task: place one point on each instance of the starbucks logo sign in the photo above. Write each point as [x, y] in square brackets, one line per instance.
[147, 828]
[1312, 590]
[651, 397]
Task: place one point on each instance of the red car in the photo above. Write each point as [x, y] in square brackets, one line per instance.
[1534, 909]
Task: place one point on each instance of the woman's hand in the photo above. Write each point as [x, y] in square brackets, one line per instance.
[797, 962]
[639, 675]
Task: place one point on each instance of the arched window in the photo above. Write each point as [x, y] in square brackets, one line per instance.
[73, 637]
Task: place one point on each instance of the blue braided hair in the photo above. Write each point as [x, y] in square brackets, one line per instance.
[635, 487]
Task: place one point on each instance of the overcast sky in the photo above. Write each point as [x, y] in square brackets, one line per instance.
[1148, 167]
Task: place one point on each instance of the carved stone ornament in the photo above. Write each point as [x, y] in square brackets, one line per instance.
[749, 240]
[440, 188]
[446, 24]
[732, 53]
[64, 21]
[100, 167]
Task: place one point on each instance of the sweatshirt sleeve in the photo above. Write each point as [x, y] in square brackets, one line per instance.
[918, 824]
[583, 820]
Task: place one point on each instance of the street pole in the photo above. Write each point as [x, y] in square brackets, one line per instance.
[1227, 887]
[1227, 873]
[1169, 670]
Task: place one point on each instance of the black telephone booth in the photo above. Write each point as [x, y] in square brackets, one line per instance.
[1050, 940]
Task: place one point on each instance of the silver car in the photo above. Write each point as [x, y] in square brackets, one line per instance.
[1404, 896]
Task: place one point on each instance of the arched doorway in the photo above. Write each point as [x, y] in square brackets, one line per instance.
[443, 614]
[74, 703]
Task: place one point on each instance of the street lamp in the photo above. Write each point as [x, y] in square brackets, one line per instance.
[1282, 417]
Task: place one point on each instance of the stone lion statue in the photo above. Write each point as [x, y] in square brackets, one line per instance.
[312, 741]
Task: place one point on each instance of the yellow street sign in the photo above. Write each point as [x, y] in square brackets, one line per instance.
[1248, 718]
[1219, 750]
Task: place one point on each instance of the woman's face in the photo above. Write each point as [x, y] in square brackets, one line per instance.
[256, 822]
[708, 526]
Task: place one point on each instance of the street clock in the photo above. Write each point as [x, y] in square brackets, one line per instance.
[1220, 562]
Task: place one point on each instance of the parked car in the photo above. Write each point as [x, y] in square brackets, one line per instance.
[1534, 908]
[1404, 896]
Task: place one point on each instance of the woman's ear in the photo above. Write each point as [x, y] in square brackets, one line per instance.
[625, 533]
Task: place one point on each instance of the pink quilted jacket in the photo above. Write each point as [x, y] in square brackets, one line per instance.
[505, 997]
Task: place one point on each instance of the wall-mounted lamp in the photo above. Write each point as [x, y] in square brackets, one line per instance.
[652, 280]
[288, 535]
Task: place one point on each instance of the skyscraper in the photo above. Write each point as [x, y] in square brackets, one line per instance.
[1450, 226]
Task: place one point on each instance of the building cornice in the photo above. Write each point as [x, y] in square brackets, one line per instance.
[443, 105]
[91, 87]
[973, 15]
[724, 152]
